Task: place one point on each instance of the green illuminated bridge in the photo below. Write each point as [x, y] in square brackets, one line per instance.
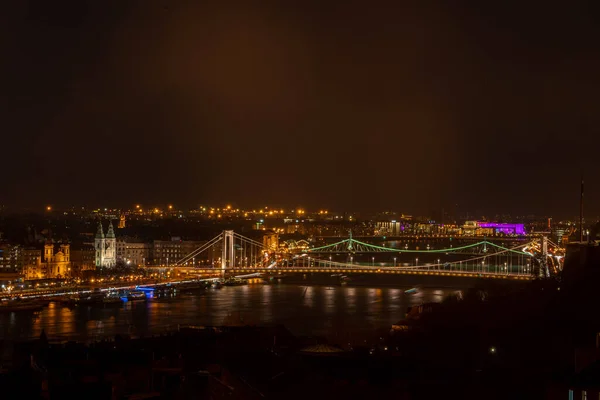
[354, 246]
[244, 257]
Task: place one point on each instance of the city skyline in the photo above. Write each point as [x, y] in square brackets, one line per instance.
[403, 107]
[286, 200]
[277, 211]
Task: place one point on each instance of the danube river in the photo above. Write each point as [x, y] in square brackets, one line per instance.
[342, 314]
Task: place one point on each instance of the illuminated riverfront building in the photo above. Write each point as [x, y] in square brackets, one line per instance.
[106, 247]
[506, 229]
[54, 264]
[165, 252]
[477, 228]
[9, 256]
[27, 256]
[83, 259]
[132, 251]
[390, 228]
[271, 241]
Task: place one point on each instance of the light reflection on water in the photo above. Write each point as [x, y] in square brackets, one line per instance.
[337, 312]
[309, 296]
[349, 296]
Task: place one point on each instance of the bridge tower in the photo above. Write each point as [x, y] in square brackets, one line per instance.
[544, 246]
[350, 247]
[544, 270]
[228, 255]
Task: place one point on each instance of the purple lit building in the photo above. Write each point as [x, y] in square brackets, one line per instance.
[507, 229]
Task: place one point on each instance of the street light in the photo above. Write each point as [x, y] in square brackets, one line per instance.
[394, 261]
[438, 264]
[372, 261]
[416, 262]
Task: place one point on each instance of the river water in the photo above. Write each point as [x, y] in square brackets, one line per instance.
[342, 314]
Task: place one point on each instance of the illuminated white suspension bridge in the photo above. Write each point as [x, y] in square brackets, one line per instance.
[243, 257]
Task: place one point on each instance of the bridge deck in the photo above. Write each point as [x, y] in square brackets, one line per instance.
[349, 270]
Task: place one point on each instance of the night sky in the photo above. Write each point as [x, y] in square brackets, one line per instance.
[343, 105]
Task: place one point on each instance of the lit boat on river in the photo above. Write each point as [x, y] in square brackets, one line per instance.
[136, 295]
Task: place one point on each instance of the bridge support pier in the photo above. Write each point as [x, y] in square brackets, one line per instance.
[228, 255]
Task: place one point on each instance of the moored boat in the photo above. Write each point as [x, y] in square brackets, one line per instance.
[112, 298]
[234, 282]
[90, 299]
[136, 295]
[164, 289]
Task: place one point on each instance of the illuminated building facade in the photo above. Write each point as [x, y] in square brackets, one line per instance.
[133, 252]
[165, 252]
[506, 229]
[106, 247]
[477, 228]
[389, 228]
[54, 264]
[9, 257]
[271, 241]
[82, 260]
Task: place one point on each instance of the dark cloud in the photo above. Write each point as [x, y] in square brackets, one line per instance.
[335, 104]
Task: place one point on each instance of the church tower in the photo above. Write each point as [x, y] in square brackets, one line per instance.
[66, 250]
[99, 243]
[122, 221]
[48, 251]
[110, 249]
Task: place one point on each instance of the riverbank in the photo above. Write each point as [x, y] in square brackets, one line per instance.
[462, 349]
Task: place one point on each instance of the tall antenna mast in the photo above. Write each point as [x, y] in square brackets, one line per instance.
[581, 211]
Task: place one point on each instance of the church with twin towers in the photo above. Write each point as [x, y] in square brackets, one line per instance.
[106, 247]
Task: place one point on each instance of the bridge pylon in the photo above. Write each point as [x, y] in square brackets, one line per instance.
[544, 270]
[228, 254]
